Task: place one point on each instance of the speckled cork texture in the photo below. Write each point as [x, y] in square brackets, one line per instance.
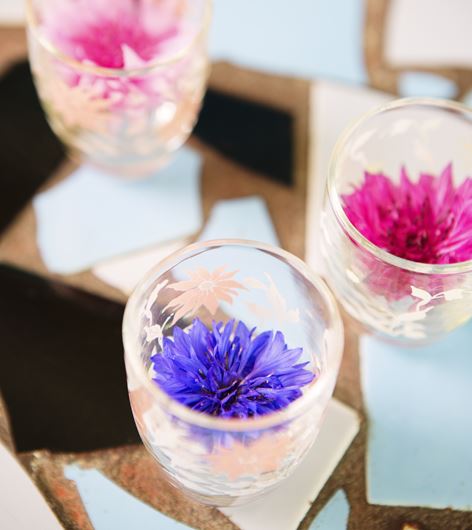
[5, 435]
[132, 468]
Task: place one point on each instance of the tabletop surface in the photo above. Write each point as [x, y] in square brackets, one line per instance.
[221, 179]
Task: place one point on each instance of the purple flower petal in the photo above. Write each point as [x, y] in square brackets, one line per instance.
[228, 372]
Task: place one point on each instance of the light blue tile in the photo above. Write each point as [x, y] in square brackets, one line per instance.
[419, 403]
[335, 515]
[109, 507]
[91, 216]
[305, 38]
[249, 218]
[243, 218]
[246, 218]
[424, 84]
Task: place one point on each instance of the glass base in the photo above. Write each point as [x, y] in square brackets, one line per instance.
[223, 501]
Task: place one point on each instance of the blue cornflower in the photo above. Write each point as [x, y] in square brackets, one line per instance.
[228, 371]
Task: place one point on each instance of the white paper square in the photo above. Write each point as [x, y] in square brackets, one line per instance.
[429, 33]
[285, 507]
[22, 507]
[125, 272]
[333, 107]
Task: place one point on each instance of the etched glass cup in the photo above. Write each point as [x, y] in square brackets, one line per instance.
[400, 300]
[218, 460]
[121, 81]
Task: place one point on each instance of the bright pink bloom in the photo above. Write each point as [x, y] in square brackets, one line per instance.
[118, 34]
[111, 33]
[429, 221]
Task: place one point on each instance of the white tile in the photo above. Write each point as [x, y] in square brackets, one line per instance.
[429, 33]
[285, 507]
[125, 272]
[12, 12]
[333, 106]
[22, 507]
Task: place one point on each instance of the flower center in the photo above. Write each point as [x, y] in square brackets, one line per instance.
[228, 371]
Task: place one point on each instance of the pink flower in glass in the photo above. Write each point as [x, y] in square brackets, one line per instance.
[103, 32]
[429, 221]
[117, 34]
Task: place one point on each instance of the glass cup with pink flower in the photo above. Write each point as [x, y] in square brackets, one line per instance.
[397, 219]
[121, 81]
[232, 350]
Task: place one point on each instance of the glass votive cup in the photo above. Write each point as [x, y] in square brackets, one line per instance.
[127, 120]
[400, 300]
[217, 460]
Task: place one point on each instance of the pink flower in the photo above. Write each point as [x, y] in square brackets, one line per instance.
[110, 33]
[118, 34]
[429, 221]
[78, 106]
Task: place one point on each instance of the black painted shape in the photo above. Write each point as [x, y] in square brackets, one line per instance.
[29, 150]
[257, 136]
[62, 374]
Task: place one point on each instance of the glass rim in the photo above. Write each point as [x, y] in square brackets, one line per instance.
[182, 412]
[336, 203]
[104, 71]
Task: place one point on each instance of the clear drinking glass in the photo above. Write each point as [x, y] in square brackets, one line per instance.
[227, 461]
[398, 299]
[121, 81]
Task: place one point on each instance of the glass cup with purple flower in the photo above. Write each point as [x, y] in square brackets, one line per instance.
[397, 219]
[232, 351]
[121, 81]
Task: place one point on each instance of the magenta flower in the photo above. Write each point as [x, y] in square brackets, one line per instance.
[118, 34]
[429, 221]
[111, 33]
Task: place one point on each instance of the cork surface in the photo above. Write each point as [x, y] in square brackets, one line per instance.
[5, 435]
[132, 467]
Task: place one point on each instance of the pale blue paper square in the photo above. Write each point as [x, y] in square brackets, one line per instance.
[419, 403]
[304, 38]
[334, 515]
[412, 84]
[242, 218]
[110, 507]
[245, 218]
[249, 218]
[91, 216]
